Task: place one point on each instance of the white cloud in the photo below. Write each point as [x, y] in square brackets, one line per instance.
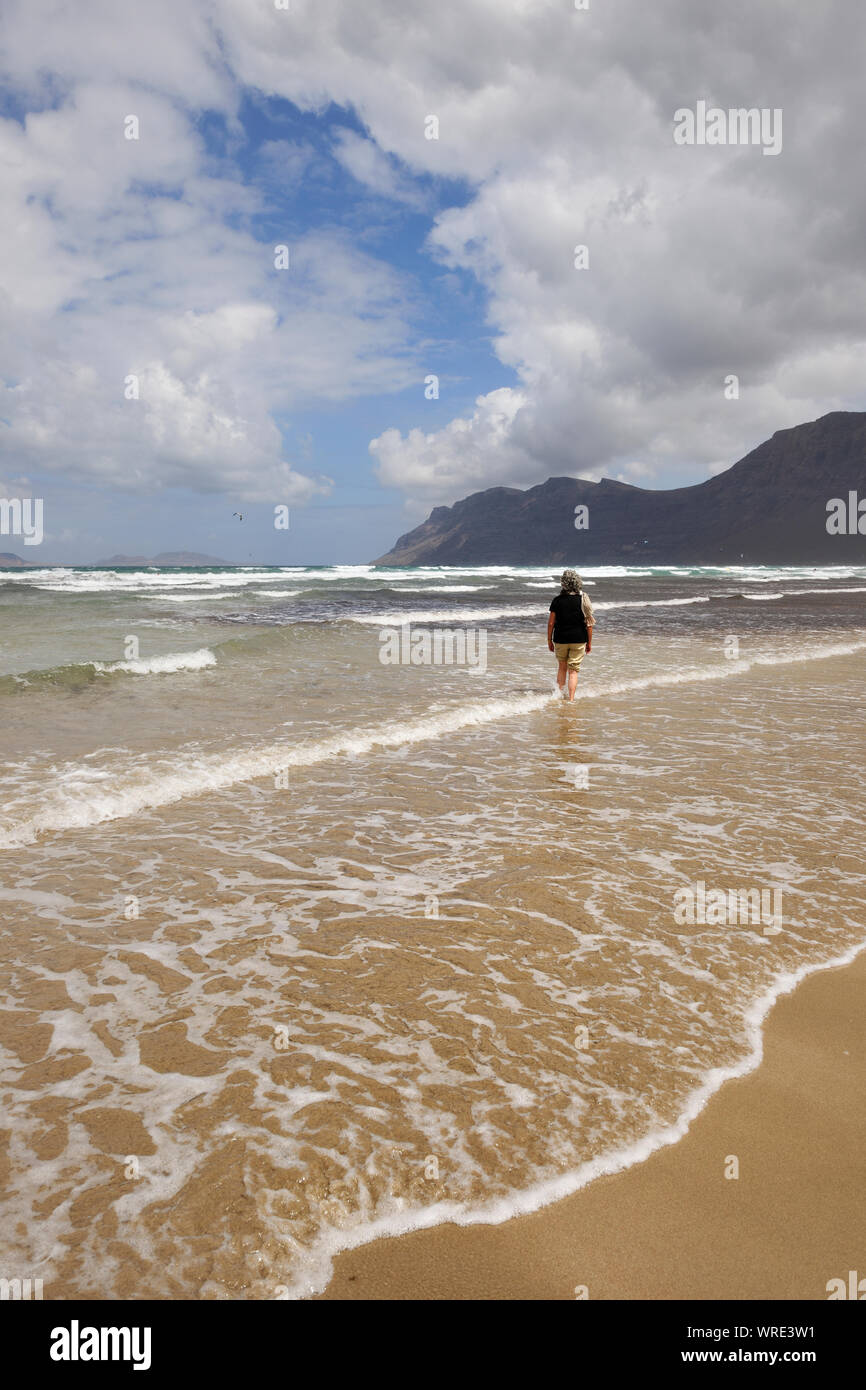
[703, 262]
[365, 161]
[124, 258]
[458, 456]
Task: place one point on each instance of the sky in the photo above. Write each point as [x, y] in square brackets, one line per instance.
[323, 255]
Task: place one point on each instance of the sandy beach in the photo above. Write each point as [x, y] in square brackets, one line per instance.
[674, 1227]
[432, 670]
[282, 974]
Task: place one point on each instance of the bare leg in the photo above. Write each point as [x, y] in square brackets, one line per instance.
[560, 675]
[572, 683]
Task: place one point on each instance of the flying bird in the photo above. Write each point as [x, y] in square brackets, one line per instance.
[239, 515]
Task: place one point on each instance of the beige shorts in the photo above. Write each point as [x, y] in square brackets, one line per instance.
[571, 652]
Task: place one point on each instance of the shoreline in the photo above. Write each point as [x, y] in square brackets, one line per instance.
[672, 1225]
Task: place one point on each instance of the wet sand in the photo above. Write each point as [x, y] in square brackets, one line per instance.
[281, 1037]
[674, 1227]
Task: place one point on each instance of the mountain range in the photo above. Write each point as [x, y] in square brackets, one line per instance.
[771, 507]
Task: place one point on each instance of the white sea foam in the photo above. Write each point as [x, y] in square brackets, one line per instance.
[792, 593]
[445, 615]
[145, 582]
[161, 665]
[317, 1268]
[209, 596]
[446, 589]
[651, 602]
[512, 610]
[153, 581]
[74, 801]
[523, 610]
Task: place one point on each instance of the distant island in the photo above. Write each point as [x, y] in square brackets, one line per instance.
[169, 559]
[8, 561]
[769, 508]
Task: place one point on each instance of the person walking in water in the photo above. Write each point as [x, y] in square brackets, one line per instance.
[569, 630]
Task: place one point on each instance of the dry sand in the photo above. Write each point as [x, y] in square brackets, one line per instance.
[675, 1226]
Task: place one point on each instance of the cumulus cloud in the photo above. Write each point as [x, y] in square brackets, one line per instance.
[702, 261]
[148, 339]
[459, 456]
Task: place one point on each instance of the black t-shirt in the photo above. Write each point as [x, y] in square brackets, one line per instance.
[570, 625]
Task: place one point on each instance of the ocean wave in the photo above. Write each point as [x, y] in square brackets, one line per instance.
[446, 615]
[523, 610]
[162, 665]
[73, 675]
[511, 610]
[785, 593]
[796, 593]
[74, 803]
[444, 589]
[206, 596]
[651, 602]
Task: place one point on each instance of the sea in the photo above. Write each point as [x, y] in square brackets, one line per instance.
[318, 926]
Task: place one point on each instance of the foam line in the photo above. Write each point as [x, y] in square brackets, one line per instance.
[161, 665]
[318, 1265]
[145, 787]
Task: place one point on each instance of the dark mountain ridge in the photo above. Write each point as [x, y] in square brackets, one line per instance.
[771, 507]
